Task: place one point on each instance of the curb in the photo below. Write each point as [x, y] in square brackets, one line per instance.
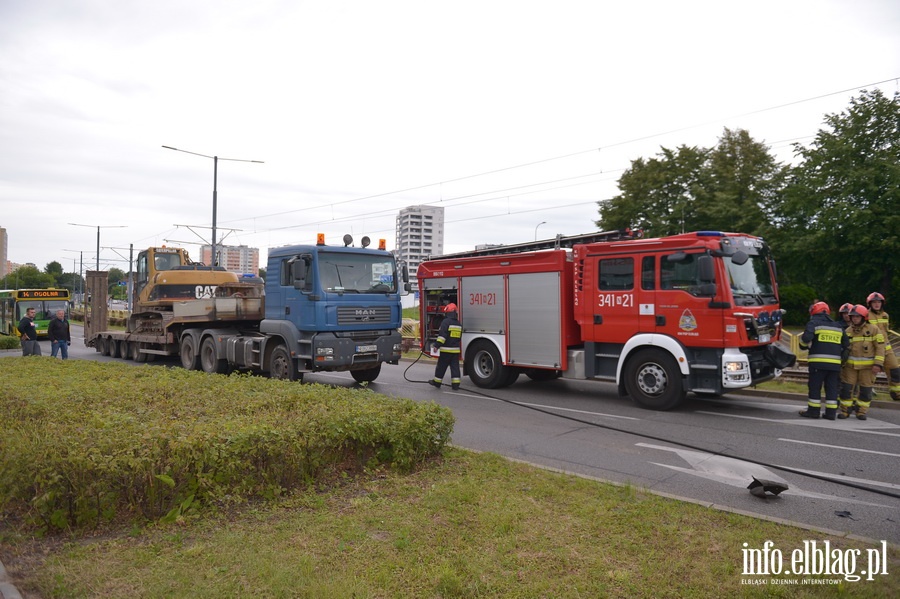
[7, 589]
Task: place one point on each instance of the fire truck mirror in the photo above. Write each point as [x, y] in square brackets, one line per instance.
[707, 289]
[676, 257]
[706, 269]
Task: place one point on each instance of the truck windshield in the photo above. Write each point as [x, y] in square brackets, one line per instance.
[356, 273]
[751, 282]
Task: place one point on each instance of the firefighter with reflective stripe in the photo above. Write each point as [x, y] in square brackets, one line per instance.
[826, 342]
[865, 361]
[448, 343]
[880, 318]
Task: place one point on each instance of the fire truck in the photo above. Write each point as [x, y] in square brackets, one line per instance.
[661, 317]
[322, 308]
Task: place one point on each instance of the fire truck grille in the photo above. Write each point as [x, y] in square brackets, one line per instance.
[378, 315]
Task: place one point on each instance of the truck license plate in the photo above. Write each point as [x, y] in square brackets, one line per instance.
[362, 349]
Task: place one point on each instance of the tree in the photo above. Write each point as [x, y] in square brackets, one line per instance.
[728, 188]
[28, 277]
[841, 212]
[55, 270]
[657, 195]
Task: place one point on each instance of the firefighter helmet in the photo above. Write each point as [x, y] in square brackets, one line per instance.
[845, 308]
[819, 308]
[873, 297]
[450, 308]
[859, 310]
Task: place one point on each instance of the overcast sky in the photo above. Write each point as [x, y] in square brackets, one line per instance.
[507, 113]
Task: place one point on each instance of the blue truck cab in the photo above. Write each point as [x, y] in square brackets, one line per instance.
[337, 308]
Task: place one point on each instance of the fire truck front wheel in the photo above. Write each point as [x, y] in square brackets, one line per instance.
[653, 380]
[485, 367]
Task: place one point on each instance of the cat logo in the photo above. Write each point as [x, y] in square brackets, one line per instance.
[205, 291]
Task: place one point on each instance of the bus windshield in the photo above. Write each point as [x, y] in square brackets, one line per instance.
[357, 273]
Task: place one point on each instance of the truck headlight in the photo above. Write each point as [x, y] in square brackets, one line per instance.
[324, 351]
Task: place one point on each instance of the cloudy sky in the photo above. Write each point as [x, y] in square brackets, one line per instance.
[509, 113]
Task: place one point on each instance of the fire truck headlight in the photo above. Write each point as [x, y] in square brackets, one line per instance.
[734, 366]
[735, 370]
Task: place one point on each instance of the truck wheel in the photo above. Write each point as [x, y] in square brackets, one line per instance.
[103, 346]
[283, 366]
[209, 358]
[485, 367]
[653, 380]
[125, 349]
[190, 357]
[366, 376]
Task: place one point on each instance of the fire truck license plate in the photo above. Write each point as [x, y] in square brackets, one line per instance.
[362, 349]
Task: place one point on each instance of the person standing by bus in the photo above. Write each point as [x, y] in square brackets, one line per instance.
[60, 337]
[30, 346]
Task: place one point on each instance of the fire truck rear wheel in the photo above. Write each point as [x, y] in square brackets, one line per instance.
[283, 366]
[366, 376]
[485, 367]
[209, 358]
[653, 380]
[190, 357]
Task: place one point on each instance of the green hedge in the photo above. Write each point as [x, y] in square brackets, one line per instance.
[9, 342]
[84, 442]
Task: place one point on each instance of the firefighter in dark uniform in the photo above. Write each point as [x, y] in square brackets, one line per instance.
[865, 361]
[880, 318]
[826, 342]
[448, 343]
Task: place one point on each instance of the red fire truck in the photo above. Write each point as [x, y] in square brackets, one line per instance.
[659, 317]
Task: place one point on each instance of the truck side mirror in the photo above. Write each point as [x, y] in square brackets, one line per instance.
[299, 268]
[706, 270]
[405, 286]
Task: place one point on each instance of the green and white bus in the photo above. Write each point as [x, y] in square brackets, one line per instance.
[14, 302]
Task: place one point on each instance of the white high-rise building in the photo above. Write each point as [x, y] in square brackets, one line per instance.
[420, 234]
[235, 258]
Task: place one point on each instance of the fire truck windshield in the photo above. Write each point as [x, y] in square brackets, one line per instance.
[356, 273]
[751, 282]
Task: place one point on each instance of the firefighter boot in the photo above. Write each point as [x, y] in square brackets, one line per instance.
[844, 411]
[861, 411]
[435, 383]
[811, 412]
[830, 412]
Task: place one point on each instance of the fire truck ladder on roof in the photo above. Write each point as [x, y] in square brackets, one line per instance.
[555, 243]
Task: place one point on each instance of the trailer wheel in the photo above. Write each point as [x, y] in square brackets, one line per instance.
[136, 354]
[190, 357]
[209, 358]
[485, 367]
[366, 376]
[653, 380]
[116, 348]
[125, 349]
[103, 346]
[283, 366]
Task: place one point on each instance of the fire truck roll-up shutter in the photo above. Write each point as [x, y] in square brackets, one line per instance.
[535, 320]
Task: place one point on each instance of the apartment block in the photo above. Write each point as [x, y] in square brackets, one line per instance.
[420, 234]
[235, 258]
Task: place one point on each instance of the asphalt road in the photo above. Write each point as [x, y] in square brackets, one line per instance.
[706, 451]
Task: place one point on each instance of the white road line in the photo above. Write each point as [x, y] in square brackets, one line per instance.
[894, 455]
[871, 424]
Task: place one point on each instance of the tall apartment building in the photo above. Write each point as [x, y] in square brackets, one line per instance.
[4, 246]
[420, 234]
[235, 258]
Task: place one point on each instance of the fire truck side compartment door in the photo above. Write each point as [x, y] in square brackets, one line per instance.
[535, 319]
[482, 300]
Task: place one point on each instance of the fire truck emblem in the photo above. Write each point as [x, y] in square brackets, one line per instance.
[687, 322]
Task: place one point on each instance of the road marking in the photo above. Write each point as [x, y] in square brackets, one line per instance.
[869, 426]
[852, 479]
[738, 473]
[894, 455]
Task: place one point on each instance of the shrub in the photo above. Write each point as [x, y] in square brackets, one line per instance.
[9, 342]
[94, 441]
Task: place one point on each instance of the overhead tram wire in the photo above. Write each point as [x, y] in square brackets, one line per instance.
[589, 151]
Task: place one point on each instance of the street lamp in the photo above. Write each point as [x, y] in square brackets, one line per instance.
[98, 235]
[536, 228]
[216, 160]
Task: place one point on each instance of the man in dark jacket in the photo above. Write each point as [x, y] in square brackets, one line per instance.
[28, 332]
[826, 342]
[60, 338]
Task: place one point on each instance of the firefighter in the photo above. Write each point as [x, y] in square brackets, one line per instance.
[864, 362]
[844, 311]
[880, 318]
[826, 342]
[448, 344]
